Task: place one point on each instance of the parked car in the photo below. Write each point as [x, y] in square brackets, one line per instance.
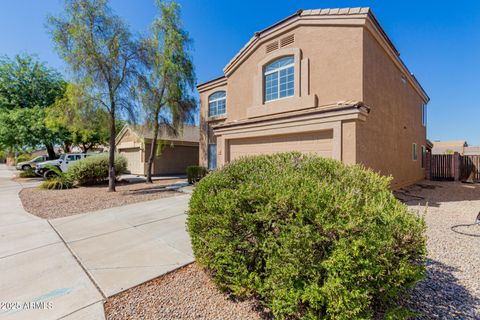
[31, 164]
[62, 163]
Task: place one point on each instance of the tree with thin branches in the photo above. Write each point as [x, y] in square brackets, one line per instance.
[98, 47]
[165, 84]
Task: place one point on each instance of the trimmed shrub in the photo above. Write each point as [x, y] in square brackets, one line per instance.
[310, 237]
[57, 179]
[94, 169]
[196, 173]
[57, 183]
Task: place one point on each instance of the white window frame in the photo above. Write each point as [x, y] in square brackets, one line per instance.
[414, 152]
[277, 70]
[216, 101]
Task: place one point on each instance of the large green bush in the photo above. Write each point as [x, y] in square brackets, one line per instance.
[310, 237]
[94, 169]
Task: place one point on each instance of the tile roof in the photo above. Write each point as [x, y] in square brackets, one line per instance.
[335, 11]
[339, 106]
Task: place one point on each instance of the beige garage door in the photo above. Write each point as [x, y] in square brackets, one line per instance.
[319, 142]
[135, 164]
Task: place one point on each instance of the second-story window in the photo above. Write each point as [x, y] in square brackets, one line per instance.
[424, 115]
[279, 79]
[217, 104]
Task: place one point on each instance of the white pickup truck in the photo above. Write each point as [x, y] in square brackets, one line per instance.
[62, 163]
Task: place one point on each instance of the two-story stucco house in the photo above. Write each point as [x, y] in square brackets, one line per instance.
[327, 81]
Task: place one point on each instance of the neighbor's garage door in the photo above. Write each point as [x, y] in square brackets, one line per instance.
[133, 156]
[319, 142]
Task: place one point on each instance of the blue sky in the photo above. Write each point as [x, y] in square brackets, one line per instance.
[438, 40]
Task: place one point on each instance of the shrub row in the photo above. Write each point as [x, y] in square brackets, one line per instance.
[310, 237]
[94, 169]
[196, 173]
[91, 170]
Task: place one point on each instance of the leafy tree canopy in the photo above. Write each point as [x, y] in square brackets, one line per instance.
[26, 82]
[27, 88]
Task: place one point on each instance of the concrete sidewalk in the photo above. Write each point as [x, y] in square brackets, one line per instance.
[126, 246]
[40, 277]
[64, 268]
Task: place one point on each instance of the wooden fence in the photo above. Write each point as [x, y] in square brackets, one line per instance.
[470, 168]
[453, 167]
[441, 167]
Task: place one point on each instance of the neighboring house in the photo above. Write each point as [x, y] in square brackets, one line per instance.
[176, 152]
[43, 151]
[327, 81]
[471, 151]
[449, 147]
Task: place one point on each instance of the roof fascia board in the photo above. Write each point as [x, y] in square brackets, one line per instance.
[357, 110]
[121, 133]
[221, 81]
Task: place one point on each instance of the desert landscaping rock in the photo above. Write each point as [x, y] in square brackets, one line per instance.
[451, 289]
[50, 204]
[187, 293]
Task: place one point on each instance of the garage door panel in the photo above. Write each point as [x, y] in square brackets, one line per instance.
[134, 161]
[320, 143]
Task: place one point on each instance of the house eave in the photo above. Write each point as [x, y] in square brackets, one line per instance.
[357, 110]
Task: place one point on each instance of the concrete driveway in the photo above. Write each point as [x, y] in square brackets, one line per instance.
[66, 267]
[125, 246]
[40, 279]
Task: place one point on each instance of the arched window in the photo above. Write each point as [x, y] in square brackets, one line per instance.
[217, 103]
[278, 79]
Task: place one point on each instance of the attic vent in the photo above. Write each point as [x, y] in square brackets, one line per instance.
[288, 40]
[271, 47]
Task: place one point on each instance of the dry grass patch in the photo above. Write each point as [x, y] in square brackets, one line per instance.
[50, 204]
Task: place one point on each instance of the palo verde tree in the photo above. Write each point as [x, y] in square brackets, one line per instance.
[167, 78]
[99, 48]
[27, 89]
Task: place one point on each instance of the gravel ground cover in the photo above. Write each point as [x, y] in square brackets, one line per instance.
[451, 289]
[187, 293]
[50, 204]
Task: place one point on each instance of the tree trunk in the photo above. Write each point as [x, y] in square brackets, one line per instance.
[67, 147]
[111, 155]
[51, 152]
[153, 150]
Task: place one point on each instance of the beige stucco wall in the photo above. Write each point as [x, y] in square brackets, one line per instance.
[335, 61]
[333, 58]
[384, 141]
